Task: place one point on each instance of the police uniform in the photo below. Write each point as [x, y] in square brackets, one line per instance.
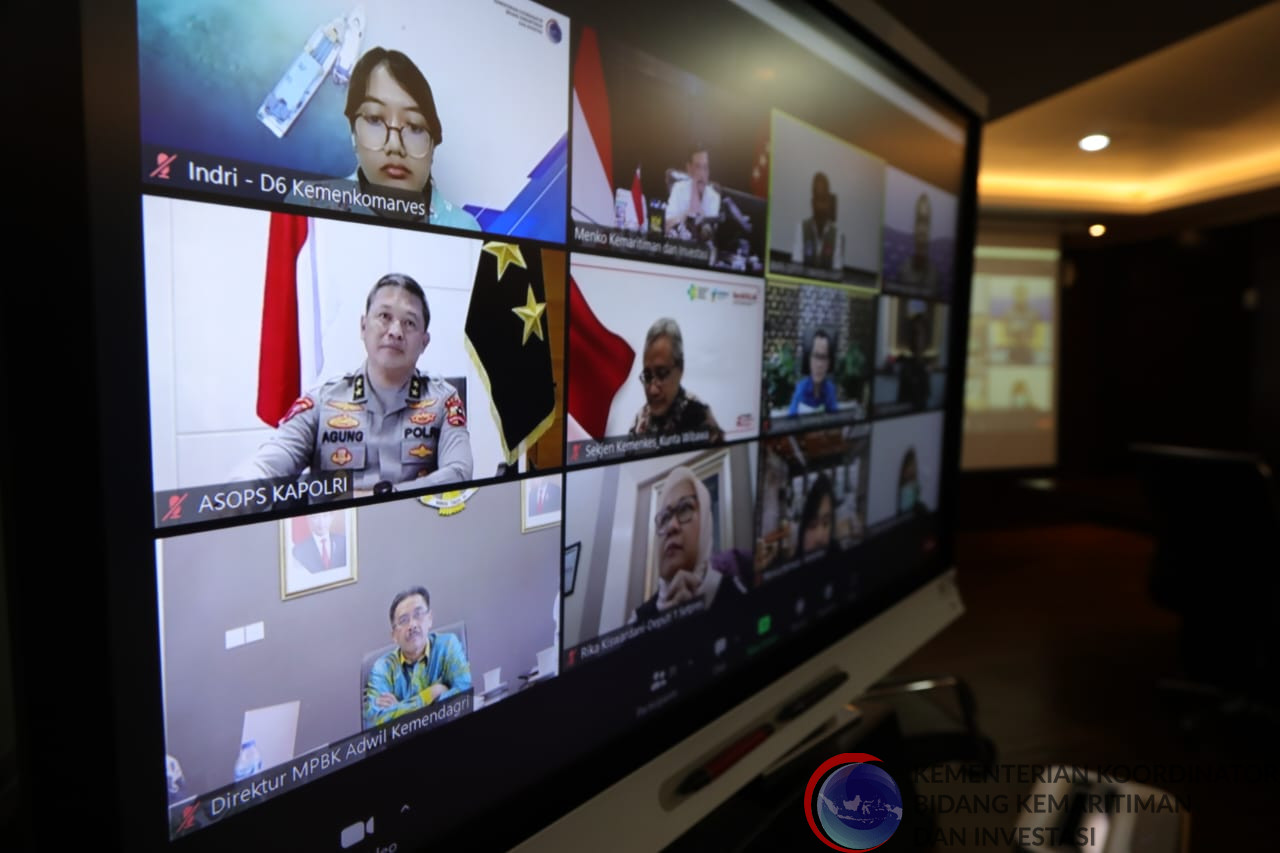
[342, 426]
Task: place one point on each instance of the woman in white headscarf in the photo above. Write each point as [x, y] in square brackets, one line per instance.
[687, 571]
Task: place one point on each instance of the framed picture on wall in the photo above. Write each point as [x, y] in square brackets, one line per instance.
[570, 579]
[317, 552]
[540, 503]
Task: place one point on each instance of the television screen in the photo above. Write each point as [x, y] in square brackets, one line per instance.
[493, 394]
[1011, 387]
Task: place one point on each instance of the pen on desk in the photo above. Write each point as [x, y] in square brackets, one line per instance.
[810, 697]
[723, 760]
[732, 754]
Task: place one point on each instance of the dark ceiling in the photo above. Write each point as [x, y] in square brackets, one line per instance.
[1020, 51]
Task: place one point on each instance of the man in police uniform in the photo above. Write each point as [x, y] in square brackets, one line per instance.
[387, 423]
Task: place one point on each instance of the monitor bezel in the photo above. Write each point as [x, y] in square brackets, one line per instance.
[96, 197]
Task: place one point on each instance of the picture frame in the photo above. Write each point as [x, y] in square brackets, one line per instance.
[304, 567]
[569, 578]
[540, 503]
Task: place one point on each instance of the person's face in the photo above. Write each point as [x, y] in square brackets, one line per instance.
[410, 626]
[700, 169]
[320, 524]
[393, 330]
[677, 527]
[661, 377]
[817, 534]
[819, 359]
[404, 161]
[922, 227]
[822, 201]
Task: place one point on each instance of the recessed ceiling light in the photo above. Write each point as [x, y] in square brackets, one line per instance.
[1095, 142]
[1097, 230]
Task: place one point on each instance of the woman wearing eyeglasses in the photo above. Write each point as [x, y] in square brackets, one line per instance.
[395, 131]
[687, 570]
[817, 391]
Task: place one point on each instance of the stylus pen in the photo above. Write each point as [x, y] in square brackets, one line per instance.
[733, 753]
[810, 697]
[725, 759]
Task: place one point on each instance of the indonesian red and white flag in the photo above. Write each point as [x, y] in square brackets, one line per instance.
[637, 198]
[290, 351]
[593, 196]
[601, 363]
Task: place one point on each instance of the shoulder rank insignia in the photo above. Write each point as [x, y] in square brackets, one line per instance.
[453, 411]
[299, 406]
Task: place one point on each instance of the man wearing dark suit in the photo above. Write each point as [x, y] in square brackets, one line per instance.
[544, 497]
[322, 550]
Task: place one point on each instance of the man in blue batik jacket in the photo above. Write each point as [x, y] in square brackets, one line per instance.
[423, 669]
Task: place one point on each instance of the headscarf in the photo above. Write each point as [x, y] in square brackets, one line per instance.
[710, 580]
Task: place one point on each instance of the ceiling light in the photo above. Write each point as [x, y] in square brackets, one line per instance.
[1097, 230]
[1095, 142]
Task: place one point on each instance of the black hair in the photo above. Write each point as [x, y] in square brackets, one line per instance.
[831, 351]
[404, 282]
[408, 593]
[820, 489]
[406, 74]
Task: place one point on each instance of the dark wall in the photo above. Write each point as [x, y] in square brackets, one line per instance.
[1171, 340]
[1264, 409]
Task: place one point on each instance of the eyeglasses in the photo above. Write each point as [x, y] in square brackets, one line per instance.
[374, 133]
[659, 374]
[682, 512]
[418, 614]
